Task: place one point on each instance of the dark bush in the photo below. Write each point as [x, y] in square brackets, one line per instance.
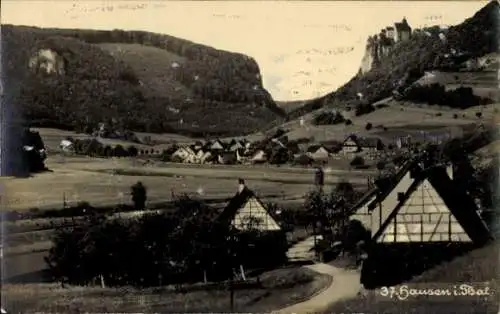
[348, 122]
[328, 118]
[357, 161]
[436, 94]
[139, 196]
[368, 126]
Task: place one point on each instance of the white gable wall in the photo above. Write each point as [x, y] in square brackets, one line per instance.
[350, 146]
[253, 208]
[217, 145]
[424, 218]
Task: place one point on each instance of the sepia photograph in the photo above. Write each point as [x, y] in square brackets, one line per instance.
[284, 157]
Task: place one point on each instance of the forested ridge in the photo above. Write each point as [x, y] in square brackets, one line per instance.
[217, 92]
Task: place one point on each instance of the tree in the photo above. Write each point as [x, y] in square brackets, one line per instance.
[357, 161]
[381, 165]
[139, 196]
[119, 151]
[132, 151]
[34, 158]
[316, 206]
[280, 156]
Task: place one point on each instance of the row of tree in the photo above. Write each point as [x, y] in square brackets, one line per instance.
[160, 249]
[436, 94]
[94, 148]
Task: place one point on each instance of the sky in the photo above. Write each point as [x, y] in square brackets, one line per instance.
[304, 49]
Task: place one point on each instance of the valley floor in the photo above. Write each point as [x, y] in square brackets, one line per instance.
[108, 181]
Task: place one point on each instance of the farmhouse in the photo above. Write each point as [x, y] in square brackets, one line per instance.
[66, 146]
[318, 152]
[217, 145]
[421, 205]
[184, 154]
[235, 146]
[259, 156]
[246, 211]
[420, 219]
[354, 144]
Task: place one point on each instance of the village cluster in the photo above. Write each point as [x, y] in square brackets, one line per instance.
[275, 150]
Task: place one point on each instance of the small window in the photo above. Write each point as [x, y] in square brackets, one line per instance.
[401, 196]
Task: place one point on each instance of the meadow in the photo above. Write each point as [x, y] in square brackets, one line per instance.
[279, 288]
[107, 181]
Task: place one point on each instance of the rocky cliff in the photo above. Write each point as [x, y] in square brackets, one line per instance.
[377, 47]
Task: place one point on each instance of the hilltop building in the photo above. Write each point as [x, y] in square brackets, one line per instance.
[381, 44]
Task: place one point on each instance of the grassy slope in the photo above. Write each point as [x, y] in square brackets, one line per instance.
[137, 85]
[399, 117]
[153, 66]
[280, 288]
[480, 265]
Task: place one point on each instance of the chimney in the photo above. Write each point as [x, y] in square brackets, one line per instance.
[241, 185]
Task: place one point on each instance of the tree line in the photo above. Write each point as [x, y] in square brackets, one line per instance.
[436, 94]
[187, 245]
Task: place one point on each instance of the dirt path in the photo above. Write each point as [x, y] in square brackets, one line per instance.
[346, 284]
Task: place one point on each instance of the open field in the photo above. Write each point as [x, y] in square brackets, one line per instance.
[279, 288]
[108, 181]
[395, 115]
[483, 83]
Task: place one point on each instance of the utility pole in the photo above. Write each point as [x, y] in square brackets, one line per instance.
[231, 239]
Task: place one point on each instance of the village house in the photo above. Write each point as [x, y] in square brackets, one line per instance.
[66, 146]
[198, 145]
[246, 211]
[354, 144]
[235, 145]
[420, 219]
[184, 154]
[259, 156]
[217, 145]
[421, 205]
[318, 152]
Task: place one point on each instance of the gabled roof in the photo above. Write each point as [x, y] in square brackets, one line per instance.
[235, 203]
[363, 141]
[460, 204]
[314, 148]
[384, 190]
[364, 200]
